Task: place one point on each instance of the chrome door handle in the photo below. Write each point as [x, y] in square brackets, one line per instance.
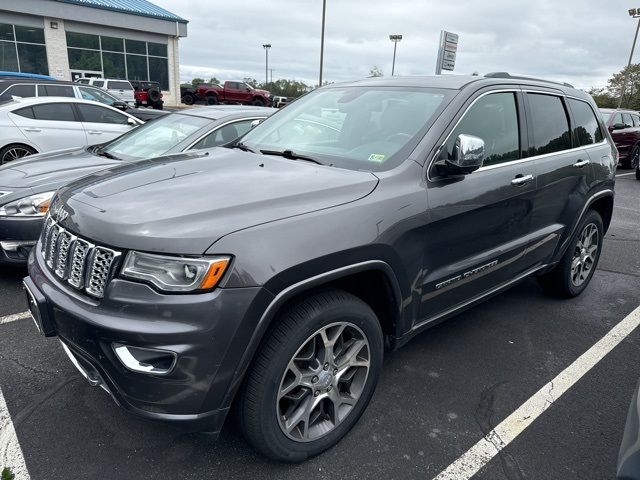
[521, 180]
[32, 130]
[581, 163]
[94, 132]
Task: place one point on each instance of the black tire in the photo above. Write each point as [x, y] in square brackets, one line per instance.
[153, 95]
[188, 98]
[638, 172]
[559, 280]
[212, 100]
[158, 106]
[257, 102]
[293, 328]
[633, 157]
[13, 152]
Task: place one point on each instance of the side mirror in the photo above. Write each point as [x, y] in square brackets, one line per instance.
[618, 126]
[131, 122]
[468, 155]
[120, 105]
[256, 122]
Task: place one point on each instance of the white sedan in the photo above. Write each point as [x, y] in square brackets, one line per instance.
[37, 125]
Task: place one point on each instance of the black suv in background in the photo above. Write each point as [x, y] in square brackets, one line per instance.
[274, 274]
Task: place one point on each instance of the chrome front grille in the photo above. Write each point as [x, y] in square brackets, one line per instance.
[81, 264]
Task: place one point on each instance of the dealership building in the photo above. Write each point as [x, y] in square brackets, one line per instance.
[70, 39]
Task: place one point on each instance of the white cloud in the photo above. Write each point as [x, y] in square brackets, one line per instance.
[579, 41]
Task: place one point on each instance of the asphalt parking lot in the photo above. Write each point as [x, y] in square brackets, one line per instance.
[437, 397]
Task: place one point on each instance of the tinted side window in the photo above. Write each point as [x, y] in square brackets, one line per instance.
[586, 129]
[99, 83]
[617, 119]
[549, 124]
[224, 135]
[56, 91]
[59, 112]
[636, 120]
[119, 86]
[233, 85]
[97, 114]
[19, 91]
[26, 112]
[626, 119]
[494, 119]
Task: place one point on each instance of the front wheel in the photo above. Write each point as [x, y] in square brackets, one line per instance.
[574, 272]
[313, 377]
[258, 103]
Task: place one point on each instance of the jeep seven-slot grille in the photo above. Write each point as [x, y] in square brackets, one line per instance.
[83, 265]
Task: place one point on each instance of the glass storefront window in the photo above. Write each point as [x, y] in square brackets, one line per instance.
[29, 34]
[113, 64]
[33, 58]
[157, 49]
[137, 67]
[112, 44]
[159, 71]
[8, 57]
[83, 40]
[136, 46]
[6, 32]
[84, 60]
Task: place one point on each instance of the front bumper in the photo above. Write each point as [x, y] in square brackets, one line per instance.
[24, 231]
[206, 331]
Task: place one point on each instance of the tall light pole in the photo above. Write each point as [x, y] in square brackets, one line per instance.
[324, 12]
[633, 13]
[395, 39]
[266, 47]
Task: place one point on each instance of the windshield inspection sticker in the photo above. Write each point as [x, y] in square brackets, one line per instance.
[376, 157]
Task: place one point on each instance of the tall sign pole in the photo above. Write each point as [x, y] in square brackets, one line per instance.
[324, 11]
[447, 50]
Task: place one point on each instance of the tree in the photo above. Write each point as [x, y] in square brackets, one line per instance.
[214, 81]
[197, 81]
[250, 81]
[631, 95]
[376, 72]
[603, 98]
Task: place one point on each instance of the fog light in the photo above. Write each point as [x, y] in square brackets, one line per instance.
[145, 360]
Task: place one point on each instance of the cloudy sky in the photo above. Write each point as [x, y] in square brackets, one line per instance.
[579, 41]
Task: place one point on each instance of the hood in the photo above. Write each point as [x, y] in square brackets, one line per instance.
[182, 204]
[50, 171]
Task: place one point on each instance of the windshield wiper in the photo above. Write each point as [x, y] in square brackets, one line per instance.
[244, 147]
[290, 155]
[104, 153]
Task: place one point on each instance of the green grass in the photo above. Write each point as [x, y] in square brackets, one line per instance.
[6, 474]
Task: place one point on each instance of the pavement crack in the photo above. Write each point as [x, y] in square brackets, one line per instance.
[636, 275]
[27, 367]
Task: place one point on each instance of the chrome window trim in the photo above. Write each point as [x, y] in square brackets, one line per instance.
[520, 160]
[219, 127]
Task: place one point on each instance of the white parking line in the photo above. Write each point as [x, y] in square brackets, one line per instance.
[625, 174]
[482, 452]
[10, 451]
[14, 317]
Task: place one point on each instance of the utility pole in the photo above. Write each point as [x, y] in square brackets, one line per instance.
[324, 12]
[633, 13]
[266, 47]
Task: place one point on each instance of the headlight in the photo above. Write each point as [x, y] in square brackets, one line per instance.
[175, 274]
[32, 206]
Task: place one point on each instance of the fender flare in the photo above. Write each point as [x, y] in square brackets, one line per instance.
[291, 291]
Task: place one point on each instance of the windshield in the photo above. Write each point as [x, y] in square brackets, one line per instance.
[360, 128]
[97, 95]
[605, 116]
[156, 137]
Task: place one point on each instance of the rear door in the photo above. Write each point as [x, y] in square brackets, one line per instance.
[479, 233]
[50, 126]
[564, 169]
[232, 92]
[101, 123]
[623, 137]
[53, 90]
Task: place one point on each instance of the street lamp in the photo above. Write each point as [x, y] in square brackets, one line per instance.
[324, 11]
[266, 47]
[395, 39]
[633, 13]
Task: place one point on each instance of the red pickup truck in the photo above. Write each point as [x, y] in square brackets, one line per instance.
[230, 92]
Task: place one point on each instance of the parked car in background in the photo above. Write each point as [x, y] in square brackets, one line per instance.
[280, 101]
[27, 185]
[271, 277]
[148, 94]
[624, 126]
[33, 87]
[237, 92]
[121, 89]
[37, 125]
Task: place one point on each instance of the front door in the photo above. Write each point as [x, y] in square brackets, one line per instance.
[479, 231]
[102, 124]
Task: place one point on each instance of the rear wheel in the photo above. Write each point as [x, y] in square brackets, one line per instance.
[212, 100]
[188, 99]
[574, 272]
[313, 377]
[14, 152]
[634, 157]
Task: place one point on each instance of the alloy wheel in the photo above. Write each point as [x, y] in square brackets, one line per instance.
[323, 382]
[585, 253]
[15, 153]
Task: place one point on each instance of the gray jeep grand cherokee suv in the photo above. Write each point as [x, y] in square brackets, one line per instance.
[273, 275]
